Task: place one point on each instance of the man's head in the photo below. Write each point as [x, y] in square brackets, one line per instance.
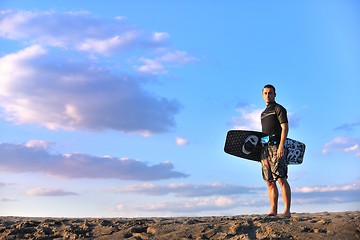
[269, 94]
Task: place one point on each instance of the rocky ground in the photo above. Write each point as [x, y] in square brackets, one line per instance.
[344, 225]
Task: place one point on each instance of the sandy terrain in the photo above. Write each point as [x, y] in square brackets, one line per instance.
[343, 225]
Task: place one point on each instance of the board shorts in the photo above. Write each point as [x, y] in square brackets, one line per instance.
[272, 167]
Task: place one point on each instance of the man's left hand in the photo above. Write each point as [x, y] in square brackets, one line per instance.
[280, 152]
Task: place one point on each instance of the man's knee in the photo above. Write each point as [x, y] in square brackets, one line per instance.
[271, 184]
[283, 182]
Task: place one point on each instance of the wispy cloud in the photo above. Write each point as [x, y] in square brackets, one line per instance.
[221, 197]
[7, 200]
[49, 192]
[3, 184]
[195, 205]
[188, 189]
[348, 127]
[157, 65]
[21, 158]
[80, 31]
[342, 144]
[328, 194]
[83, 32]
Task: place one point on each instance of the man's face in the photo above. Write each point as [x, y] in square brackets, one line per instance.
[268, 95]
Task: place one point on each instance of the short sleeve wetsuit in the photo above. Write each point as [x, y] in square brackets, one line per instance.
[271, 119]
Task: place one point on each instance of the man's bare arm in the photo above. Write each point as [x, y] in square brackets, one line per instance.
[284, 133]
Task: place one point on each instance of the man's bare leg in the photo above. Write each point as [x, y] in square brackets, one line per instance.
[286, 194]
[273, 196]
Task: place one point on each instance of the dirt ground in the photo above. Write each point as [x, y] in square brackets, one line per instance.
[342, 225]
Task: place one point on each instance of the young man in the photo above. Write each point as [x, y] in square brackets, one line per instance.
[274, 123]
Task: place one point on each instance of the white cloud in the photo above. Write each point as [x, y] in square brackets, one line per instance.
[220, 197]
[181, 141]
[82, 31]
[342, 144]
[327, 194]
[158, 65]
[176, 57]
[52, 82]
[20, 159]
[71, 30]
[160, 36]
[48, 192]
[58, 93]
[39, 144]
[194, 205]
[353, 148]
[107, 46]
[187, 189]
[353, 186]
[249, 118]
[151, 66]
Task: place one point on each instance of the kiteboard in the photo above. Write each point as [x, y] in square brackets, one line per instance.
[247, 144]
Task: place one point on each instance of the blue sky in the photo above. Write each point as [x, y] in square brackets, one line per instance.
[122, 108]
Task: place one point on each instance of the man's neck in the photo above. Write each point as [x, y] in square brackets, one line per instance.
[269, 103]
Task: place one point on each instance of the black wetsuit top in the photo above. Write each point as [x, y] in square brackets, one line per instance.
[272, 118]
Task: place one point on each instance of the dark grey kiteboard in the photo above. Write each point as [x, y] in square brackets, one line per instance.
[247, 144]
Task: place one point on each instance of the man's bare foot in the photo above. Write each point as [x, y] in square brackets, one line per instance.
[272, 214]
[286, 215]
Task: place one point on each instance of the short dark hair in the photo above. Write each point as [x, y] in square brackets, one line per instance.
[270, 86]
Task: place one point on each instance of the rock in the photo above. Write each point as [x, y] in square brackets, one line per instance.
[321, 230]
[151, 230]
[139, 229]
